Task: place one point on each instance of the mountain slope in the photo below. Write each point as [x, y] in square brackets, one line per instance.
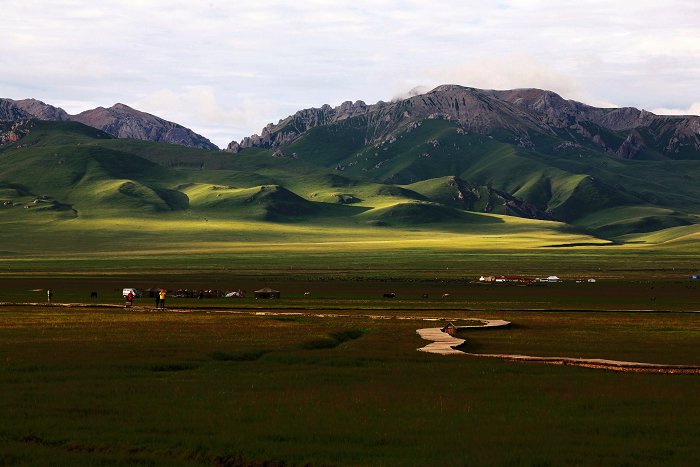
[120, 121]
[42, 111]
[518, 115]
[10, 111]
[96, 176]
[523, 152]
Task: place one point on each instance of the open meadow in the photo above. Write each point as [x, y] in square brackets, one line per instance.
[339, 381]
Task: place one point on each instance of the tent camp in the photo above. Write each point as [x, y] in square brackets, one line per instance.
[267, 293]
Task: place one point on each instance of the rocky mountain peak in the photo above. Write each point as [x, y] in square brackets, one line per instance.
[468, 106]
[123, 121]
[42, 111]
[449, 88]
[9, 111]
[120, 121]
[519, 112]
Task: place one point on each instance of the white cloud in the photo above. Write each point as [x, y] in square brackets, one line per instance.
[694, 109]
[198, 102]
[199, 108]
[414, 91]
[506, 72]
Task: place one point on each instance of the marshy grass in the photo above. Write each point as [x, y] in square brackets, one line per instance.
[128, 387]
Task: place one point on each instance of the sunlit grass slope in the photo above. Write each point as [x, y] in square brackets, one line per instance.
[69, 190]
[619, 221]
[567, 181]
[682, 237]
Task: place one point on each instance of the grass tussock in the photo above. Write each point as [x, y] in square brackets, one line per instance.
[173, 367]
[245, 356]
[333, 340]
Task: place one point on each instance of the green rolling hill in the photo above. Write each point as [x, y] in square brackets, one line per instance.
[366, 171]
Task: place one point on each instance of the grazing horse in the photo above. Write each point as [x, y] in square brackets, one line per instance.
[93, 294]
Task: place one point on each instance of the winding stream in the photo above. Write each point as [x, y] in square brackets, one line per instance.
[444, 344]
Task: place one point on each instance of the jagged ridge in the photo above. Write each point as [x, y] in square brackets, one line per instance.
[520, 112]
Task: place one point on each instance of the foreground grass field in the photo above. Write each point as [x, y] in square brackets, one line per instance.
[111, 386]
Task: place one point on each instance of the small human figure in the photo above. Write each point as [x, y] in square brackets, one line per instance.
[129, 299]
[161, 296]
[49, 295]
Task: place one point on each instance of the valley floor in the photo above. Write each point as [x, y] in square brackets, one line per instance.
[316, 377]
[258, 383]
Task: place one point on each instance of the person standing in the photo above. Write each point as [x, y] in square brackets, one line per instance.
[49, 295]
[156, 294]
[129, 298]
[161, 295]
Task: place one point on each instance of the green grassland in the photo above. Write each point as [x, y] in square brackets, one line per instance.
[326, 177]
[346, 222]
[105, 386]
[72, 199]
[349, 290]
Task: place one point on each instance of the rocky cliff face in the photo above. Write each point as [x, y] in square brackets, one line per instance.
[120, 121]
[475, 111]
[519, 112]
[13, 131]
[676, 132]
[10, 111]
[292, 127]
[42, 111]
[487, 199]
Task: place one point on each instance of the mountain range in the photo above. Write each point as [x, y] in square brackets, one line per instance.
[521, 114]
[453, 158]
[120, 121]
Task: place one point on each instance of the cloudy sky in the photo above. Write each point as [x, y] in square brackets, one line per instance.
[226, 68]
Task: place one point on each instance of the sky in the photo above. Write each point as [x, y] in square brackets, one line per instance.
[227, 68]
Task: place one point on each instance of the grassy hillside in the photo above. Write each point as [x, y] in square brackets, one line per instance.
[567, 183]
[75, 192]
[553, 179]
